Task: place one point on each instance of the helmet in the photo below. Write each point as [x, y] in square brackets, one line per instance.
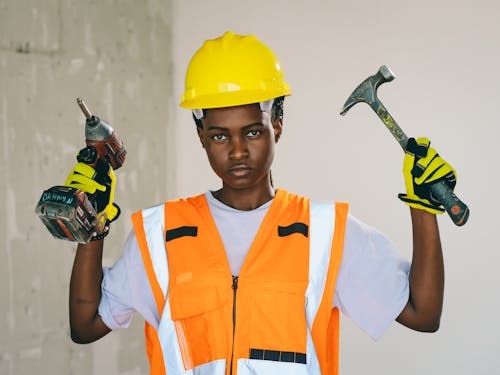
[233, 70]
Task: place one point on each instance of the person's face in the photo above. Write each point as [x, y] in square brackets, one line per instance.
[239, 142]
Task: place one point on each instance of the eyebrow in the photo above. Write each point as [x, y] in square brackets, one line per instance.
[220, 128]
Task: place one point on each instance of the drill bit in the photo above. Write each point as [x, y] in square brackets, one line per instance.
[84, 108]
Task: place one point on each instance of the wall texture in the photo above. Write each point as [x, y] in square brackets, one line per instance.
[116, 54]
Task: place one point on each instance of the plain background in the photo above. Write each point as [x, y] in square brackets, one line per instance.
[128, 60]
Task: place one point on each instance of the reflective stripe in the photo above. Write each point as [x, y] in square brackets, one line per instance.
[154, 227]
[322, 221]
[168, 342]
[312, 359]
[212, 368]
[154, 253]
[325, 330]
[153, 349]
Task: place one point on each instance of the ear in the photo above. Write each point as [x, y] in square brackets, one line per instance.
[278, 128]
[201, 135]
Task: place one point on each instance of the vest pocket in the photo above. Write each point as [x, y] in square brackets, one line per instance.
[253, 366]
[278, 321]
[197, 319]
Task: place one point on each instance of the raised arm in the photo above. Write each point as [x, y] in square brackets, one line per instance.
[86, 277]
[423, 167]
[425, 303]
[85, 294]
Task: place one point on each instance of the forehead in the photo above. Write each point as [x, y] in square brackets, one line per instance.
[233, 116]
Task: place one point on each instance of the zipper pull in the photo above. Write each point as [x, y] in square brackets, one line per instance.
[235, 282]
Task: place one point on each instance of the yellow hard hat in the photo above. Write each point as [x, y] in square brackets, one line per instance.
[233, 70]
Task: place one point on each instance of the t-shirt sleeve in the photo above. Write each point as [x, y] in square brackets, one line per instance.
[372, 284]
[125, 289]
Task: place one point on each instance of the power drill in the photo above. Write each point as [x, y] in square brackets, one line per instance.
[69, 213]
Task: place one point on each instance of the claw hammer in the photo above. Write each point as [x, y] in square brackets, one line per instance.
[367, 92]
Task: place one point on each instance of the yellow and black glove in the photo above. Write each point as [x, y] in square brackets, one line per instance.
[99, 184]
[422, 168]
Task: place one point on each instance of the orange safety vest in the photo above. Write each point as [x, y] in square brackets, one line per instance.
[276, 317]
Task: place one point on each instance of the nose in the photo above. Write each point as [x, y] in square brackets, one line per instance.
[239, 149]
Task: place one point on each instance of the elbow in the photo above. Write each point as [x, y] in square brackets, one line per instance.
[420, 321]
[77, 338]
[87, 332]
[427, 325]
[433, 326]
[422, 317]
[431, 321]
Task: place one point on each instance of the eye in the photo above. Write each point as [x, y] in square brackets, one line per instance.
[254, 133]
[219, 137]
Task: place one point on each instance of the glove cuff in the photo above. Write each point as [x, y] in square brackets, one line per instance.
[420, 204]
[98, 237]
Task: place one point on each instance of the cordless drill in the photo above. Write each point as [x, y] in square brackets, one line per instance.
[69, 213]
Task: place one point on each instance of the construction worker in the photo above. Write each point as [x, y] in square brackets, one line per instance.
[250, 279]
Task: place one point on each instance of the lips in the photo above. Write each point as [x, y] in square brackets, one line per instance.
[240, 170]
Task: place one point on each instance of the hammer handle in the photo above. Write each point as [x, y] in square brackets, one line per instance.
[389, 122]
[456, 209]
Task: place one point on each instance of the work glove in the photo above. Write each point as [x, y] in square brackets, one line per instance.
[99, 184]
[422, 168]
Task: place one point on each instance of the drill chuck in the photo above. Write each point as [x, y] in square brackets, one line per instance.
[97, 129]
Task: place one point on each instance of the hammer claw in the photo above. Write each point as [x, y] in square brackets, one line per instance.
[367, 90]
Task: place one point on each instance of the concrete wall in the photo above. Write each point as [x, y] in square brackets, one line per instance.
[117, 55]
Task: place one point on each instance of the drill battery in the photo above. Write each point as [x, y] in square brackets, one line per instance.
[67, 213]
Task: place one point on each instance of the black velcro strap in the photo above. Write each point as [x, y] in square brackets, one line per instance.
[293, 228]
[278, 356]
[172, 234]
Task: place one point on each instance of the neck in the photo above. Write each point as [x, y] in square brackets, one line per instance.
[245, 199]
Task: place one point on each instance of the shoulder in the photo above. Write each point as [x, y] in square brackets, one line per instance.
[366, 247]
[299, 201]
[288, 198]
[359, 233]
[193, 200]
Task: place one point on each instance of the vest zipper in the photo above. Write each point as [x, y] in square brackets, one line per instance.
[235, 288]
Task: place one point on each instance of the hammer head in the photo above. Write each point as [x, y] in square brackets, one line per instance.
[367, 90]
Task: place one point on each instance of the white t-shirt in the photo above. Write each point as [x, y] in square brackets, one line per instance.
[372, 284]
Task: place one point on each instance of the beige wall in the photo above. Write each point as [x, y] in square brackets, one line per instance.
[446, 58]
[128, 58]
[117, 56]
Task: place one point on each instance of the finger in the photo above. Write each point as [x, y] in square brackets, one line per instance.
[423, 164]
[84, 188]
[436, 170]
[111, 174]
[418, 147]
[408, 163]
[84, 169]
[431, 155]
[84, 183]
[423, 142]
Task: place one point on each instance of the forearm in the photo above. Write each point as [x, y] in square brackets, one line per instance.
[85, 293]
[426, 279]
